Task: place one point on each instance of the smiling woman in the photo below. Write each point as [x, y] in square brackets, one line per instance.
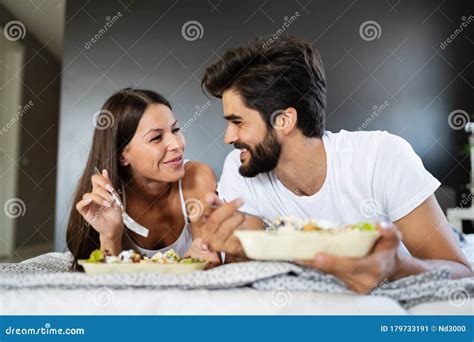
[139, 148]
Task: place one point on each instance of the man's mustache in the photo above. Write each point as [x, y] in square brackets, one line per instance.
[240, 146]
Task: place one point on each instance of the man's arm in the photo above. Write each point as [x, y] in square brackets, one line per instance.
[429, 239]
[251, 223]
[427, 236]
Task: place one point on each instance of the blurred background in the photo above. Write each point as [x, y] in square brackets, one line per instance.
[397, 65]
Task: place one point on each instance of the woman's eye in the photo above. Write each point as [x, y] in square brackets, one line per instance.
[158, 137]
[176, 130]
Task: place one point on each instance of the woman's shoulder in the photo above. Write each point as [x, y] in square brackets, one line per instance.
[199, 178]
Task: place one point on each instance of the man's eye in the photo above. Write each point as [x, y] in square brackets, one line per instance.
[176, 130]
[236, 123]
[158, 137]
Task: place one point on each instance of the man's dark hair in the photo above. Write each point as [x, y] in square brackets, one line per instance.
[271, 75]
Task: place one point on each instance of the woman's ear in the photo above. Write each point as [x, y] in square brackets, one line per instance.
[124, 156]
[284, 120]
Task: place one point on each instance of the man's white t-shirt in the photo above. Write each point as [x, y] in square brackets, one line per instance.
[370, 176]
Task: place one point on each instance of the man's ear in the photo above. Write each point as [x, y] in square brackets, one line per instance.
[123, 159]
[284, 120]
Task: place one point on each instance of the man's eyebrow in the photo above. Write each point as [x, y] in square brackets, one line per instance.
[231, 117]
[159, 129]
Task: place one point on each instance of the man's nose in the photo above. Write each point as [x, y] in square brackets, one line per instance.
[230, 135]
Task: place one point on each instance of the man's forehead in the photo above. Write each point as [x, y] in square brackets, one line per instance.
[232, 97]
[233, 104]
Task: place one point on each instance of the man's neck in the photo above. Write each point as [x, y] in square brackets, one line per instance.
[303, 165]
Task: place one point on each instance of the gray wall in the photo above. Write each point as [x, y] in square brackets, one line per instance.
[36, 165]
[145, 48]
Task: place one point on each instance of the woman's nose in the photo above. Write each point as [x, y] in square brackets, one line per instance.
[175, 142]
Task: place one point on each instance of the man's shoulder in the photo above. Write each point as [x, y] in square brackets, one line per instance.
[344, 136]
[363, 140]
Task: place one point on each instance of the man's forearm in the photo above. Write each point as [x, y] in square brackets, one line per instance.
[410, 265]
[235, 258]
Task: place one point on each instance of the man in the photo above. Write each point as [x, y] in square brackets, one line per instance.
[274, 101]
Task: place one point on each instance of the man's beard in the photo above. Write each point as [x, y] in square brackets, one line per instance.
[263, 158]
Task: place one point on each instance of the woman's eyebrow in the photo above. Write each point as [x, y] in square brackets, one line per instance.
[160, 129]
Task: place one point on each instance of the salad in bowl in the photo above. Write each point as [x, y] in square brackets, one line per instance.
[289, 238]
[129, 261]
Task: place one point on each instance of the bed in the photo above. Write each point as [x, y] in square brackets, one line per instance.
[34, 297]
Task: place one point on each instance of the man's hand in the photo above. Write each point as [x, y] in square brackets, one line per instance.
[219, 222]
[364, 274]
[201, 251]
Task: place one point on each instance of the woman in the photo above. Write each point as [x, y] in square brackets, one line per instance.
[141, 154]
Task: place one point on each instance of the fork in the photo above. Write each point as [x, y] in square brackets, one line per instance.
[127, 220]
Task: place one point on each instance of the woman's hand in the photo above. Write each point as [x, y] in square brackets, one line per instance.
[200, 250]
[364, 274]
[100, 211]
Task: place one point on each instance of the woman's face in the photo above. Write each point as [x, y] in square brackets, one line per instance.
[156, 150]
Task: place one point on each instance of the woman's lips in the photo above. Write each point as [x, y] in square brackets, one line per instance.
[175, 161]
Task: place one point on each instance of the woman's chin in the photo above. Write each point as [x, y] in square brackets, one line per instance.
[173, 175]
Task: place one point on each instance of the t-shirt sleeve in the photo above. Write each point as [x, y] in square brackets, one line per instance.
[232, 185]
[401, 182]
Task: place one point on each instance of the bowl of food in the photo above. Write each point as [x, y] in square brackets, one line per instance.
[293, 239]
[131, 261]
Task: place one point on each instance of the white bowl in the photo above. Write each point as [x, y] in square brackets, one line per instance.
[102, 268]
[304, 245]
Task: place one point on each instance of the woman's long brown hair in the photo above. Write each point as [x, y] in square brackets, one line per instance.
[116, 124]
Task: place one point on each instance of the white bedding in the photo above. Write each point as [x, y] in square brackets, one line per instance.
[236, 301]
[243, 301]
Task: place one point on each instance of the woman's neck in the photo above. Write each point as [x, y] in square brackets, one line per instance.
[155, 209]
[149, 194]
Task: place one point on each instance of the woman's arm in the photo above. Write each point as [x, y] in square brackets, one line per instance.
[199, 180]
[112, 245]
